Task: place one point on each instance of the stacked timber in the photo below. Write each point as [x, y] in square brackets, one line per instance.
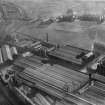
[52, 101]
[42, 47]
[42, 99]
[54, 83]
[22, 96]
[36, 97]
[71, 54]
[95, 93]
[35, 43]
[61, 83]
[56, 77]
[98, 77]
[29, 96]
[33, 61]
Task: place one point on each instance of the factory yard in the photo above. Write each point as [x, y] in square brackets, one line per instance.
[51, 60]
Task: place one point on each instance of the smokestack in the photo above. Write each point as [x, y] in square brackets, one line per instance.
[94, 41]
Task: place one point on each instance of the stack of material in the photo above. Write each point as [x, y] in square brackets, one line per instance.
[95, 94]
[33, 61]
[70, 54]
[41, 100]
[7, 53]
[37, 98]
[68, 82]
[42, 47]
[57, 80]
[22, 96]
[54, 77]
[47, 100]
[35, 43]
[98, 77]
[38, 47]
[54, 85]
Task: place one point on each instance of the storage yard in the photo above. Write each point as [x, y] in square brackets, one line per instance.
[37, 71]
[40, 71]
